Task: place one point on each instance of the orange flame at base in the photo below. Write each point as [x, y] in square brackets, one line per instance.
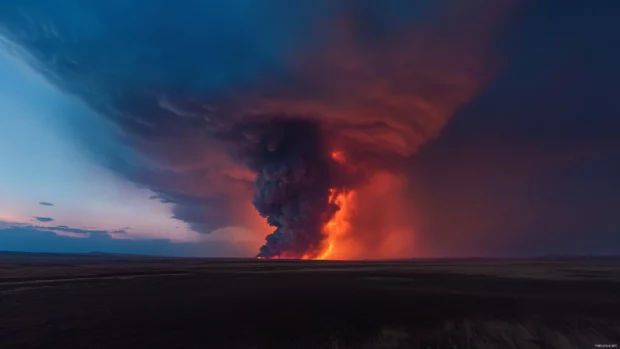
[338, 226]
[361, 229]
[327, 252]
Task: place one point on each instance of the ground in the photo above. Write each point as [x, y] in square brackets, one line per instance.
[110, 301]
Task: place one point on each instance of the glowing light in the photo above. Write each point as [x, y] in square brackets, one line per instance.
[338, 156]
[339, 225]
[327, 252]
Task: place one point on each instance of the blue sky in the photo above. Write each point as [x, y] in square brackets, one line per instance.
[45, 158]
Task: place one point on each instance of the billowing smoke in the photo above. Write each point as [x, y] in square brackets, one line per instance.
[294, 175]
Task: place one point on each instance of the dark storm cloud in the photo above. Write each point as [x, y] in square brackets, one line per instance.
[202, 214]
[44, 219]
[531, 159]
[43, 203]
[380, 80]
[156, 75]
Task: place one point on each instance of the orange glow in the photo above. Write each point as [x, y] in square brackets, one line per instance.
[389, 97]
[327, 252]
[384, 220]
[361, 229]
[338, 155]
[339, 225]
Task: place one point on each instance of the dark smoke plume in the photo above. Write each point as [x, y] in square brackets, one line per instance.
[294, 176]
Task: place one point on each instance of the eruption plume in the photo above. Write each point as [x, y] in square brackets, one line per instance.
[356, 110]
[295, 173]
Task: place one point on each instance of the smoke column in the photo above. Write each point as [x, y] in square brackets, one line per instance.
[294, 176]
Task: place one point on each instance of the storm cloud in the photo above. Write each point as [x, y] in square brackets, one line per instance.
[201, 93]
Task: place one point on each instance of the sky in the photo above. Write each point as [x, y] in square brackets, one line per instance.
[56, 194]
[478, 129]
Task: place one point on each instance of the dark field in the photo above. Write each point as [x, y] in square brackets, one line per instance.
[103, 301]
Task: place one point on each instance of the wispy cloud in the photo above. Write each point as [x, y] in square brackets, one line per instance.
[44, 219]
[70, 234]
[44, 203]
[63, 230]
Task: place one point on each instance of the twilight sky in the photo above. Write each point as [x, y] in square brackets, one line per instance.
[477, 129]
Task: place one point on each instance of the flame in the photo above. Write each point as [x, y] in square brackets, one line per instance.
[338, 226]
[327, 252]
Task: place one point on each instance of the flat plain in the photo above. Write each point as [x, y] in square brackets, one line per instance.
[116, 301]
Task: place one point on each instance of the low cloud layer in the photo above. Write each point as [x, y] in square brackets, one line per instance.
[26, 238]
[63, 230]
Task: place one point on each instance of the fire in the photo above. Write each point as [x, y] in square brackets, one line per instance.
[339, 225]
[327, 252]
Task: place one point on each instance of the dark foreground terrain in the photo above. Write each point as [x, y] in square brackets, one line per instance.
[104, 301]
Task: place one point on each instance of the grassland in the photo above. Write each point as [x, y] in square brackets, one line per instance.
[107, 301]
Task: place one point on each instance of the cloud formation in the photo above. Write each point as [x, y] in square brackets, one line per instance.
[383, 80]
[43, 203]
[63, 230]
[43, 219]
[379, 80]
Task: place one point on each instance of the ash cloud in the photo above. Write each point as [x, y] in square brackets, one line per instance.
[249, 114]
[294, 175]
